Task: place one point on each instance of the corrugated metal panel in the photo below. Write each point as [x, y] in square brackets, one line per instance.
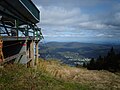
[31, 8]
[24, 9]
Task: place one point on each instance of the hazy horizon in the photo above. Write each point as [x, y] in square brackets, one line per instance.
[102, 42]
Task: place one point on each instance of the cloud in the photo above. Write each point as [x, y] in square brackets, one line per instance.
[80, 18]
[59, 16]
[96, 25]
[104, 35]
[70, 3]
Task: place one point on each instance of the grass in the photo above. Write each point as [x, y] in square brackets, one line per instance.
[18, 77]
[52, 75]
[91, 78]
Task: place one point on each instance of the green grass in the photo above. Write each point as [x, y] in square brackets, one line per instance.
[53, 75]
[18, 77]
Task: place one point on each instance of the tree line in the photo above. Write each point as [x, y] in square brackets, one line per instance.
[110, 62]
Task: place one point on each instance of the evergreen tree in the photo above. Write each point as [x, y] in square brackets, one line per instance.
[99, 63]
[91, 65]
[111, 62]
[84, 64]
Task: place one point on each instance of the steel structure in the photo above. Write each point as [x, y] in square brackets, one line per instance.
[19, 33]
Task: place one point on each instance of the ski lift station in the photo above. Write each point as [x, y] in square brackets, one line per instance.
[19, 33]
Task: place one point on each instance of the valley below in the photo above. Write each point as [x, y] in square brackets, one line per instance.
[74, 53]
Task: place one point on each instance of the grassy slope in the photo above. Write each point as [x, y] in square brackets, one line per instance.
[94, 79]
[18, 77]
[51, 75]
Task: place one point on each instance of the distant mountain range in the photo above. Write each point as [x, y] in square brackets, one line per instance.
[68, 52]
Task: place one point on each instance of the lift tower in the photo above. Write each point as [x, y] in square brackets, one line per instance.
[19, 34]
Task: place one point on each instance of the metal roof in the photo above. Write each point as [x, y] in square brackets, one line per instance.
[24, 9]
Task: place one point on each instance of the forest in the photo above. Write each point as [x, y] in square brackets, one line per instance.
[110, 62]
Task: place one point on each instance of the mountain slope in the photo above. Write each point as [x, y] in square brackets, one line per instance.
[18, 77]
[95, 79]
[68, 52]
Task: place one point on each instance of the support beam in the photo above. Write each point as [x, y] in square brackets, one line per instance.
[16, 26]
[1, 51]
[13, 57]
[5, 28]
[32, 53]
[22, 48]
[36, 56]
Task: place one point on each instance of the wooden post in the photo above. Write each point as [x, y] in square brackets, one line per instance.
[1, 52]
[32, 53]
[16, 26]
[36, 46]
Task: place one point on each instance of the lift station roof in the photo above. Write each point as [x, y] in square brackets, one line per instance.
[23, 9]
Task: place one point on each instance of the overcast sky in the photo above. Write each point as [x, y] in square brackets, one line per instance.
[80, 20]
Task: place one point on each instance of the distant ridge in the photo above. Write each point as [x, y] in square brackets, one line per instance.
[69, 51]
[103, 43]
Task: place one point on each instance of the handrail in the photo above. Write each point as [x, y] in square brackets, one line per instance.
[33, 31]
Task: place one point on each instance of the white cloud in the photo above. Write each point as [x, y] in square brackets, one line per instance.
[104, 35]
[59, 16]
[59, 21]
[100, 35]
[96, 25]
